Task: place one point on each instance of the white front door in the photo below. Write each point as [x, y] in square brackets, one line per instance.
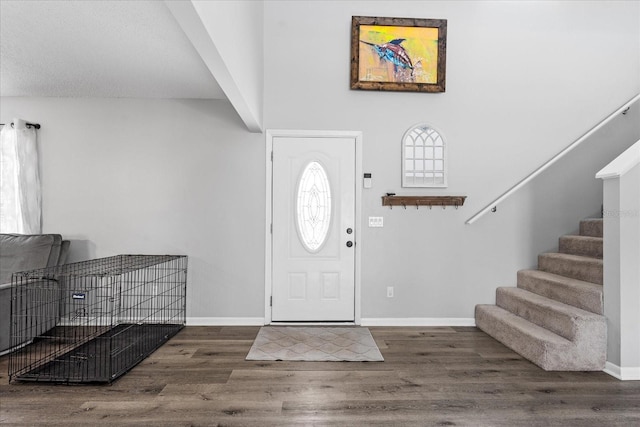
[313, 235]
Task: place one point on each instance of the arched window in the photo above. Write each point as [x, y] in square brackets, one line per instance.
[424, 161]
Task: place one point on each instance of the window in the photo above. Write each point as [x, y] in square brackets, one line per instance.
[313, 207]
[20, 210]
[423, 158]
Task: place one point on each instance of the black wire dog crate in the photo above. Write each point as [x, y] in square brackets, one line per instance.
[93, 321]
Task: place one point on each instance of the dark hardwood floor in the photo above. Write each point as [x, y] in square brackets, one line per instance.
[440, 376]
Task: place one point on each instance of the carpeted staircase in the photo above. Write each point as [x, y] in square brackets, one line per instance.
[554, 317]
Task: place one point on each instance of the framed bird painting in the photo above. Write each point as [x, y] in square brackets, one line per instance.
[398, 54]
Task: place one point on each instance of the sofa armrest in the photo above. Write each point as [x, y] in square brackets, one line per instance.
[47, 298]
[5, 316]
[64, 252]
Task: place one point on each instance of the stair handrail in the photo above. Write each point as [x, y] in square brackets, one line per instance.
[493, 205]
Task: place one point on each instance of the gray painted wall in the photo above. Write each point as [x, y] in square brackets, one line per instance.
[182, 176]
[520, 87]
[157, 176]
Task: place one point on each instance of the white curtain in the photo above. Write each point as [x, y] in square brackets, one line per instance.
[20, 194]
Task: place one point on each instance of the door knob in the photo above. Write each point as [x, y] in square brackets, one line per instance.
[349, 243]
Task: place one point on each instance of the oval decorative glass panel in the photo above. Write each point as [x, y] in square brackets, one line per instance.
[313, 206]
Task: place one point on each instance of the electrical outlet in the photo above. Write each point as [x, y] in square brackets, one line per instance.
[376, 221]
[389, 291]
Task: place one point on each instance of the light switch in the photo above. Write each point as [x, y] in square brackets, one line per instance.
[376, 221]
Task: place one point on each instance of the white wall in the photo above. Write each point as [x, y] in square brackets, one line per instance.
[523, 81]
[622, 266]
[228, 37]
[236, 28]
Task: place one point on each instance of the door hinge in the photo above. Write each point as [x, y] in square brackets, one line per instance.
[271, 229]
[272, 156]
[271, 301]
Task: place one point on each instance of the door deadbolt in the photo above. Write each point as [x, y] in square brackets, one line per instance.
[349, 243]
[349, 231]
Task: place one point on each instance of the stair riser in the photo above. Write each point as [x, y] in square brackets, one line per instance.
[566, 325]
[550, 356]
[583, 269]
[537, 351]
[585, 297]
[573, 246]
[592, 227]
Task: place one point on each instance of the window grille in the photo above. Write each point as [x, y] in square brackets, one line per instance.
[423, 158]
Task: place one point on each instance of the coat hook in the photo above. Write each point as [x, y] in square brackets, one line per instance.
[417, 206]
[493, 209]
[404, 205]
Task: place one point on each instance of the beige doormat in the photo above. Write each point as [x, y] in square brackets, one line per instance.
[315, 344]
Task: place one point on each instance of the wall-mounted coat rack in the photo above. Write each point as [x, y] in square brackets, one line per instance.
[417, 201]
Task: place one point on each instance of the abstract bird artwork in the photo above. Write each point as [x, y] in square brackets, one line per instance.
[394, 53]
[389, 55]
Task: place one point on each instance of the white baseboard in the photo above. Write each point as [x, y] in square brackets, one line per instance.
[624, 374]
[225, 321]
[419, 321]
[383, 321]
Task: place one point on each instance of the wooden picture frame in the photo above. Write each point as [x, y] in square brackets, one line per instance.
[398, 54]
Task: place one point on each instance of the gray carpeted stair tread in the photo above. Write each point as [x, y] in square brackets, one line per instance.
[592, 227]
[544, 348]
[578, 293]
[573, 266]
[588, 246]
[539, 345]
[565, 320]
[530, 329]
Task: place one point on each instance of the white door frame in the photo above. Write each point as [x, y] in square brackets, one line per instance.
[274, 133]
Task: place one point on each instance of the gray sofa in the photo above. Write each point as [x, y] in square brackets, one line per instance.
[20, 252]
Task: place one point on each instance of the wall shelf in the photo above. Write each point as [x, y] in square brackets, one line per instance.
[417, 201]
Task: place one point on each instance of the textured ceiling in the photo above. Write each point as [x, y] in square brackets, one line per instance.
[113, 49]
